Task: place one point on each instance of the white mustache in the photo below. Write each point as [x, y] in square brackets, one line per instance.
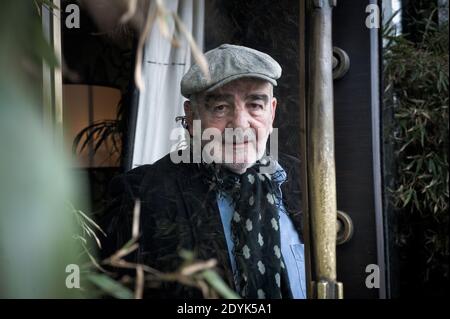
[238, 136]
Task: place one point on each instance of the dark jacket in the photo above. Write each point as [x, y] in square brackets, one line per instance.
[179, 212]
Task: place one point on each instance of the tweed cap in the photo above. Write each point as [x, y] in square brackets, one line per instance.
[228, 63]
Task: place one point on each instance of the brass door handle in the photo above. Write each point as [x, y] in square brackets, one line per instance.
[344, 228]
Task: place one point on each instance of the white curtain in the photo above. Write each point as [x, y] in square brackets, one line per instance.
[163, 67]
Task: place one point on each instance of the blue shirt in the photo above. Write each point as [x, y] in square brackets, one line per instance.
[292, 248]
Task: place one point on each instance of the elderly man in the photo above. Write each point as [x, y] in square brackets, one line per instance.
[226, 204]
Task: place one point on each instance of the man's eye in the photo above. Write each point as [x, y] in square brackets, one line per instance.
[219, 108]
[256, 106]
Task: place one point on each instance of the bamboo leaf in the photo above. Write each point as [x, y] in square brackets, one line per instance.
[219, 285]
[110, 286]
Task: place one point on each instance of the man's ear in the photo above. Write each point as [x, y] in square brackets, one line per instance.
[189, 112]
[273, 105]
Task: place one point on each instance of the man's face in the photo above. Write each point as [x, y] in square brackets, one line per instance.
[246, 106]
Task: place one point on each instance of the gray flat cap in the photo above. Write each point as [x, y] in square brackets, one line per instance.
[228, 63]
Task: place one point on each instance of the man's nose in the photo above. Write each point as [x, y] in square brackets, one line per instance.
[240, 118]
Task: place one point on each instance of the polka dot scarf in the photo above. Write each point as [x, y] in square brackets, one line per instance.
[255, 232]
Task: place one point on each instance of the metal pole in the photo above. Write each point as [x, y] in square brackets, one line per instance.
[52, 75]
[321, 164]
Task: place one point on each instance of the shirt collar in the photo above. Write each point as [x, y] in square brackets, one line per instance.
[279, 176]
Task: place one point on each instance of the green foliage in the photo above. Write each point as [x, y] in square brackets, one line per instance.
[110, 286]
[416, 81]
[219, 285]
[35, 182]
